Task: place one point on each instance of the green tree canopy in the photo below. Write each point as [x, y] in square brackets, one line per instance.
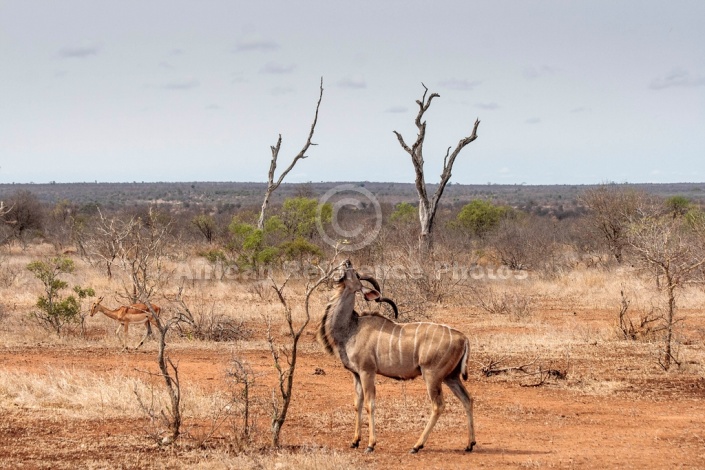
[404, 213]
[480, 217]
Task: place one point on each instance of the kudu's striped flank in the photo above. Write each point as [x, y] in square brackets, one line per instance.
[370, 344]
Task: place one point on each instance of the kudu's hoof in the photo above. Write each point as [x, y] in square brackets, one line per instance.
[415, 450]
[355, 445]
[469, 448]
[369, 450]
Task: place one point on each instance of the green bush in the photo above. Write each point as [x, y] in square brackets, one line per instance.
[55, 311]
[480, 217]
[404, 213]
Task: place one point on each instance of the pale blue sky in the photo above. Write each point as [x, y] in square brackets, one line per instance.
[567, 92]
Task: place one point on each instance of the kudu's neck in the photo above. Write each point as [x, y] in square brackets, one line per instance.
[343, 306]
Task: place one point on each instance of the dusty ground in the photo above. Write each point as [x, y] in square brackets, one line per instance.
[612, 411]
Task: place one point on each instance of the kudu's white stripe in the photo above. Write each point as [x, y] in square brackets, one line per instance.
[416, 339]
[401, 356]
[379, 336]
[391, 338]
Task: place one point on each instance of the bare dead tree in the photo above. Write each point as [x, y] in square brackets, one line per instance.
[273, 185]
[428, 207]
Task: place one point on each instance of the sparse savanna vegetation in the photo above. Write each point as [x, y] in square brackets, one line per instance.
[583, 307]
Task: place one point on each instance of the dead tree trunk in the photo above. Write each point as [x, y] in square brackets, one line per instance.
[428, 207]
[271, 184]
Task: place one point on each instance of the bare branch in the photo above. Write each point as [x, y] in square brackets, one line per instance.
[273, 185]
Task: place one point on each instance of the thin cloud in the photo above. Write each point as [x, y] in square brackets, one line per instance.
[531, 72]
[396, 109]
[255, 44]
[181, 85]
[487, 106]
[275, 68]
[78, 52]
[533, 120]
[579, 109]
[458, 84]
[281, 90]
[213, 107]
[677, 78]
[353, 81]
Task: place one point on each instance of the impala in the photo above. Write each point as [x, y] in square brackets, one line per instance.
[370, 344]
[135, 313]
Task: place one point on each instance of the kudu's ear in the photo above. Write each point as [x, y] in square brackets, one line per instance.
[371, 294]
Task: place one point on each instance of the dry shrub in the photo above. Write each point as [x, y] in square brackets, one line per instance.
[515, 304]
[8, 272]
[209, 325]
[643, 329]
[261, 290]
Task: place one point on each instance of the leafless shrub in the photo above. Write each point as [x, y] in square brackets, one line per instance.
[164, 420]
[530, 243]
[644, 328]
[611, 207]
[8, 273]
[261, 289]
[24, 215]
[415, 285]
[209, 325]
[235, 409]
[518, 306]
[241, 380]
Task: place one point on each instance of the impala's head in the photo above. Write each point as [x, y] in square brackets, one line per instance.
[94, 307]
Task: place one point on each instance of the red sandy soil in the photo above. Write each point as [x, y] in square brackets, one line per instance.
[654, 423]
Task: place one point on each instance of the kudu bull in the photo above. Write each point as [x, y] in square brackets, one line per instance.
[370, 344]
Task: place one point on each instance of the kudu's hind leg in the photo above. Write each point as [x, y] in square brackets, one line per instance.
[435, 393]
[358, 411]
[457, 387]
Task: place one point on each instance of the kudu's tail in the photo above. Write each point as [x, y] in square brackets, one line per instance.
[464, 361]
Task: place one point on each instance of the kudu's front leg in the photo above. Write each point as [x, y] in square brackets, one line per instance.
[368, 390]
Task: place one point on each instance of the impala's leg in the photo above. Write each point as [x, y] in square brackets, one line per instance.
[358, 411]
[368, 390]
[435, 393]
[126, 327]
[465, 398]
[144, 337]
